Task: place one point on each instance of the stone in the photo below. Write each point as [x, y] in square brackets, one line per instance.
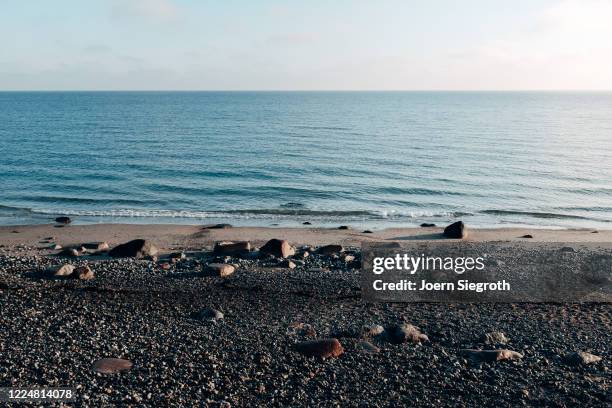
[372, 330]
[320, 348]
[349, 258]
[218, 226]
[581, 358]
[219, 269]
[495, 337]
[63, 220]
[427, 225]
[490, 355]
[138, 248]
[405, 333]
[56, 247]
[343, 227]
[165, 266]
[112, 365]
[64, 270]
[69, 252]
[278, 248]
[367, 232]
[367, 347]
[306, 223]
[96, 246]
[567, 249]
[210, 314]
[456, 230]
[83, 273]
[330, 249]
[301, 329]
[527, 236]
[232, 248]
[289, 264]
[301, 254]
[177, 256]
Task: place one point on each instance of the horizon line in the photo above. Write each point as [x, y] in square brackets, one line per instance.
[306, 90]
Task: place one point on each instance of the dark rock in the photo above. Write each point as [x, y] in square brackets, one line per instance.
[218, 226]
[581, 358]
[112, 365]
[289, 264]
[594, 232]
[372, 330]
[232, 248]
[330, 249]
[219, 269]
[63, 220]
[278, 248]
[367, 347]
[177, 256]
[83, 273]
[306, 223]
[427, 225]
[320, 348]
[210, 314]
[343, 227]
[567, 249]
[367, 232]
[527, 236]
[495, 337]
[97, 246]
[69, 252]
[138, 248]
[405, 333]
[490, 355]
[456, 230]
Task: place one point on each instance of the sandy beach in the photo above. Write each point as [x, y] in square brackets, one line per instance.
[170, 237]
[241, 340]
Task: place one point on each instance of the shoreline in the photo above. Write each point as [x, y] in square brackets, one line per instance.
[37, 238]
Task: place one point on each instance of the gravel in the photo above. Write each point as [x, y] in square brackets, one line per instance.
[55, 329]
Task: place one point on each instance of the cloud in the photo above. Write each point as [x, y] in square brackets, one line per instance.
[156, 11]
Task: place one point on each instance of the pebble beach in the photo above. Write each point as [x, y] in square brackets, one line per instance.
[191, 319]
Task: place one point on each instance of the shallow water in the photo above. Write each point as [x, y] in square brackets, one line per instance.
[262, 158]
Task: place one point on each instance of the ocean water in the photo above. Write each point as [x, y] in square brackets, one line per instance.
[372, 159]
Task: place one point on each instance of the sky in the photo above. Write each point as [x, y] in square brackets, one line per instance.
[305, 45]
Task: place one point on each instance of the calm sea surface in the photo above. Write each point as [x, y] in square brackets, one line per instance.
[264, 158]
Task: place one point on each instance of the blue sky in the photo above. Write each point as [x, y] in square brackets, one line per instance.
[344, 45]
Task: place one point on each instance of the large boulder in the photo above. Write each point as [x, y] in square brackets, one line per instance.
[63, 220]
[112, 365]
[330, 249]
[320, 348]
[219, 269]
[456, 230]
[96, 246]
[138, 248]
[83, 273]
[581, 358]
[232, 248]
[278, 248]
[64, 270]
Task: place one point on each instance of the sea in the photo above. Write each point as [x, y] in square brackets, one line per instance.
[364, 159]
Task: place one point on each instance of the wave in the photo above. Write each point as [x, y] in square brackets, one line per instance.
[536, 214]
[288, 210]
